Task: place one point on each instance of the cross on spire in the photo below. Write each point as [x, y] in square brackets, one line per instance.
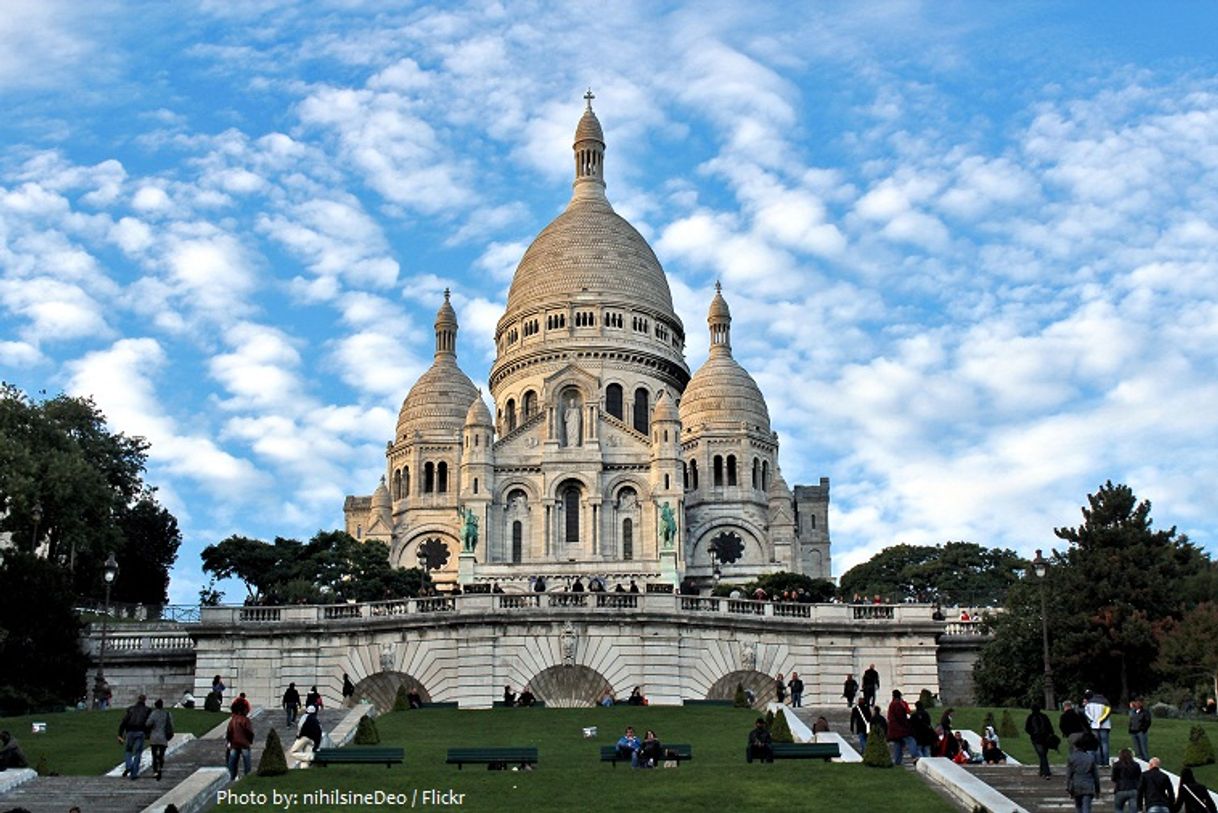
[588, 97]
[446, 293]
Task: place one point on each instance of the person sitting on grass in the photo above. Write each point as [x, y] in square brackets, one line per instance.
[526, 697]
[964, 754]
[509, 696]
[607, 698]
[651, 753]
[761, 745]
[628, 746]
[11, 755]
[636, 697]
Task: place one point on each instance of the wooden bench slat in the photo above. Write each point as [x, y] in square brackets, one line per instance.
[359, 755]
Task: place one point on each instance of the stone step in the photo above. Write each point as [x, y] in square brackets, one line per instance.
[1023, 785]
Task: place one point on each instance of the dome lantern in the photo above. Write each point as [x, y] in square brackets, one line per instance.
[446, 328]
[719, 319]
[589, 146]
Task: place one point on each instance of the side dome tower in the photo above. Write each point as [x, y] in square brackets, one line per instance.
[440, 399]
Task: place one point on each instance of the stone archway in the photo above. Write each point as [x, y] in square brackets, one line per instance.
[569, 686]
[761, 684]
[381, 689]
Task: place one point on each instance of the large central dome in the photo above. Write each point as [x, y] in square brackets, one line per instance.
[589, 252]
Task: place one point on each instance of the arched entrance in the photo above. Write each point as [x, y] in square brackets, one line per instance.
[381, 689]
[569, 686]
[761, 684]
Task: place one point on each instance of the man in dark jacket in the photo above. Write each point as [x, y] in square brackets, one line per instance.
[871, 685]
[797, 690]
[291, 703]
[860, 723]
[131, 734]
[240, 739]
[1155, 793]
[1072, 723]
[11, 755]
[900, 734]
[761, 746]
[1139, 728]
[1040, 732]
[1082, 778]
[923, 732]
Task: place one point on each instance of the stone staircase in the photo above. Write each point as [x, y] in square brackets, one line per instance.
[108, 794]
[1024, 786]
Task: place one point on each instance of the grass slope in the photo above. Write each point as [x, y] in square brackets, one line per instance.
[570, 776]
[83, 743]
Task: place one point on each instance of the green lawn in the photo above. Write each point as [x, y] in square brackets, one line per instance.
[570, 777]
[83, 743]
[1167, 738]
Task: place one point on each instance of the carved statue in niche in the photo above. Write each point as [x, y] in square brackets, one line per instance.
[387, 657]
[748, 655]
[571, 423]
[568, 644]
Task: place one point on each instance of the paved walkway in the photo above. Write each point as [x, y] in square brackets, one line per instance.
[106, 794]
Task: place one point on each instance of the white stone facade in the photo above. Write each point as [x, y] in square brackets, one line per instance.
[597, 428]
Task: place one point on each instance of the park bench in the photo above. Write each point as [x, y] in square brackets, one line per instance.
[360, 755]
[443, 704]
[673, 753]
[537, 704]
[709, 702]
[806, 750]
[504, 757]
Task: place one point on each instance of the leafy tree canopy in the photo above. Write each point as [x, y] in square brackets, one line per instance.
[954, 573]
[79, 487]
[332, 566]
[820, 590]
[1110, 595]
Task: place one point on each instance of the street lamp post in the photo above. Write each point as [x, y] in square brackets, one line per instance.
[1040, 566]
[109, 572]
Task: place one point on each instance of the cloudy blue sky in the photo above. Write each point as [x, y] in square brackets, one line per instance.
[971, 248]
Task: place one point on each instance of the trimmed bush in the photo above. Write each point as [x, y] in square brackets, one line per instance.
[42, 767]
[876, 755]
[769, 719]
[273, 762]
[989, 721]
[366, 733]
[1199, 751]
[400, 701]
[740, 701]
[780, 729]
[926, 699]
[1008, 729]
[1164, 711]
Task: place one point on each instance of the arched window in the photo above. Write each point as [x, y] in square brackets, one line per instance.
[429, 478]
[731, 470]
[765, 475]
[613, 400]
[475, 485]
[642, 411]
[667, 483]
[812, 521]
[405, 481]
[442, 478]
[397, 484]
[693, 475]
[627, 539]
[685, 475]
[359, 532]
[718, 476]
[509, 414]
[517, 541]
[570, 505]
[756, 472]
[530, 405]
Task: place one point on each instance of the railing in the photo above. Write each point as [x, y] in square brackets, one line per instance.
[973, 627]
[120, 611]
[699, 605]
[144, 642]
[260, 615]
[785, 610]
[738, 606]
[521, 601]
[872, 612]
[617, 601]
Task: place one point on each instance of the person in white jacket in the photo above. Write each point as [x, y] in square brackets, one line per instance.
[1099, 717]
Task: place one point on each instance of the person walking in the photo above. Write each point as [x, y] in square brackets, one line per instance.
[1126, 776]
[923, 732]
[1040, 731]
[850, 690]
[1139, 728]
[1193, 797]
[780, 688]
[1155, 794]
[160, 732]
[291, 703]
[871, 684]
[1082, 779]
[348, 689]
[900, 734]
[131, 731]
[240, 740]
[1072, 723]
[797, 690]
[860, 723]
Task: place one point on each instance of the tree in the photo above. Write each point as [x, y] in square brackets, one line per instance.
[1187, 652]
[39, 636]
[74, 490]
[876, 754]
[273, 762]
[954, 573]
[820, 590]
[147, 550]
[330, 567]
[1118, 581]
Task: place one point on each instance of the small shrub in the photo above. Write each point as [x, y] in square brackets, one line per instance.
[769, 719]
[780, 730]
[42, 767]
[740, 700]
[366, 733]
[927, 699]
[1008, 729]
[876, 755]
[273, 762]
[989, 721]
[400, 701]
[1164, 710]
[1199, 751]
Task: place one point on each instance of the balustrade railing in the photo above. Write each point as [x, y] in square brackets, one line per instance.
[260, 615]
[617, 601]
[872, 612]
[785, 610]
